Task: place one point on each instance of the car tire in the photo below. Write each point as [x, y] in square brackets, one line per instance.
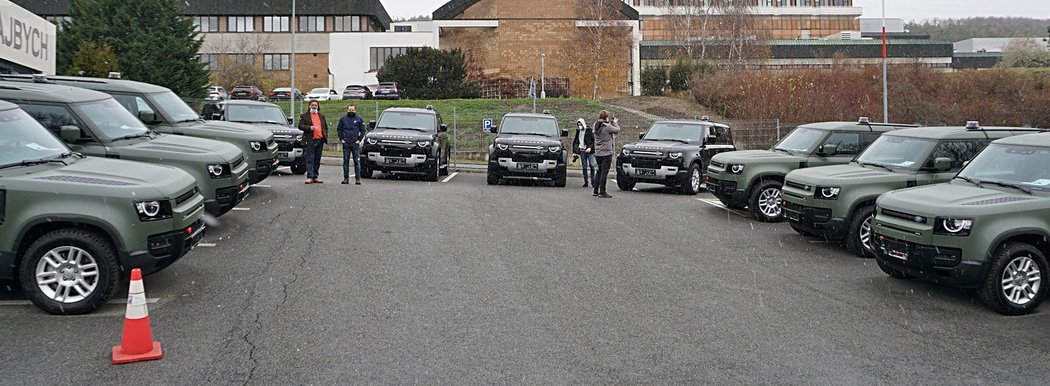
[624, 182]
[560, 182]
[492, 179]
[692, 186]
[366, 172]
[858, 237]
[83, 250]
[434, 173]
[1015, 265]
[299, 169]
[764, 201]
[892, 272]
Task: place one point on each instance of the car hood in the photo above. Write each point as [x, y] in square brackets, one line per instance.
[274, 128]
[754, 157]
[399, 135]
[844, 175]
[227, 130]
[661, 147]
[526, 140]
[108, 178]
[180, 148]
[949, 198]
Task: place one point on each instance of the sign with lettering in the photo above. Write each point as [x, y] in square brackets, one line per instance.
[27, 39]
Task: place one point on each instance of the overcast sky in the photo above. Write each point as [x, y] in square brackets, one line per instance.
[907, 9]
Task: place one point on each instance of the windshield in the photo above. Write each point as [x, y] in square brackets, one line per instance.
[802, 140]
[897, 152]
[171, 106]
[110, 120]
[675, 132]
[23, 138]
[256, 114]
[529, 125]
[319, 91]
[408, 120]
[1012, 164]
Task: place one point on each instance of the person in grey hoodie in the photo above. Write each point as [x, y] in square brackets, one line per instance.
[604, 145]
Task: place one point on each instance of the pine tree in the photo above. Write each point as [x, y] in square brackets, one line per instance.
[155, 43]
[96, 60]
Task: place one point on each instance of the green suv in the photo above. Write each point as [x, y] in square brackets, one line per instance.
[163, 111]
[754, 178]
[838, 202]
[70, 225]
[94, 124]
[987, 228]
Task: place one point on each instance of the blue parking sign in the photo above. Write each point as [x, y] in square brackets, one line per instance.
[486, 124]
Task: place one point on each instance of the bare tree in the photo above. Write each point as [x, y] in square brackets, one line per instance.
[243, 63]
[603, 49]
[689, 21]
[1025, 52]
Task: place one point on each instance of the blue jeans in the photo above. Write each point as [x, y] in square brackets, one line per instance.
[353, 149]
[313, 158]
[587, 162]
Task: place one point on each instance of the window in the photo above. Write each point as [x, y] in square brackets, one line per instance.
[242, 59]
[348, 23]
[240, 24]
[276, 62]
[848, 143]
[958, 151]
[311, 23]
[206, 23]
[134, 104]
[210, 61]
[402, 28]
[52, 117]
[379, 55]
[275, 24]
[721, 135]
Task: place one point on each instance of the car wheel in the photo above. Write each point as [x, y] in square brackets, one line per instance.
[765, 201]
[434, 173]
[492, 179]
[560, 182]
[1014, 285]
[624, 182]
[692, 186]
[299, 169]
[858, 240]
[892, 272]
[70, 271]
[366, 172]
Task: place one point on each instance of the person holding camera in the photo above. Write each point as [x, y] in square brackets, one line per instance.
[604, 146]
[583, 149]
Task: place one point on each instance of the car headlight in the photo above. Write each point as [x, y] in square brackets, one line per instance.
[153, 210]
[257, 146]
[423, 143]
[953, 226]
[828, 192]
[502, 146]
[372, 141]
[554, 149]
[735, 169]
[675, 155]
[218, 170]
[625, 151]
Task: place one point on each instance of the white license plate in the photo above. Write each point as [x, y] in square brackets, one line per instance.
[645, 172]
[282, 155]
[395, 160]
[528, 166]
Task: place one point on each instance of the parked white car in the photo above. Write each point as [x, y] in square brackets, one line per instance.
[324, 94]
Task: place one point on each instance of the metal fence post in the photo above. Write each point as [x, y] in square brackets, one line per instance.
[455, 138]
[778, 129]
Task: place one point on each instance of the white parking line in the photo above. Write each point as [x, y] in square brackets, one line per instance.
[261, 186]
[450, 177]
[242, 209]
[206, 245]
[16, 303]
[718, 204]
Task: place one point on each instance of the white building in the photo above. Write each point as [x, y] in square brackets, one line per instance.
[356, 57]
[27, 41]
[990, 44]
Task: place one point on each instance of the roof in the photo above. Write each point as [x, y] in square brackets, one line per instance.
[854, 126]
[7, 106]
[411, 110]
[373, 8]
[12, 91]
[956, 132]
[817, 48]
[454, 8]
[99, 84]
[530, 115]
[1040, 140]
[693, 122]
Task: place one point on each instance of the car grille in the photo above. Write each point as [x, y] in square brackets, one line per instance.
[237, 163]
[186, 196]
[269, 142]
[796, 185]
[645, 163]
[285, 146]
[718, 164]
[395, 152]
[904, 216]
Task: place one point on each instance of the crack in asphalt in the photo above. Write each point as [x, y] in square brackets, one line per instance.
[251, 351]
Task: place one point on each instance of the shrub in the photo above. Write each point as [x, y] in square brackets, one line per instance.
[680, 74]
[653, 80]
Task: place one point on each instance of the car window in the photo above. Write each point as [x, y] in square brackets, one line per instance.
[110, 120]
[848, 143]
[1025, 165]
[801, 140]
[721, 135]
[407, 120]
[133, 103]
[529, 125]
[22, 138]
[663, 131]
[958, 151]
[173, 107]
[896, 152]
[52, 117]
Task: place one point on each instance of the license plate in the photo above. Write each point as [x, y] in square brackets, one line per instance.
[282, 155]
[528, 166]
[894, 249]
[645, 172]
[395, 160]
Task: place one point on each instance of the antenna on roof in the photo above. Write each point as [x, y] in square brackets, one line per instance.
[705, 118]
[973, 125]
[114, 75]
[430, 107]
[864, 121]
[547, 112]
[39, 78]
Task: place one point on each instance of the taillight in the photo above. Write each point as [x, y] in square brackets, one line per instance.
[395, 88]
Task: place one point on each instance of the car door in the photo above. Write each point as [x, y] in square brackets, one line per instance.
[717, 139]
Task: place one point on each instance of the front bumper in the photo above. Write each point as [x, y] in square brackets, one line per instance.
[263, 168]
[653, 172]
[397, 161]
[527, 167]
[942, 265]
[165, 248]
[227, 198]
[726, 190]
[816, 220]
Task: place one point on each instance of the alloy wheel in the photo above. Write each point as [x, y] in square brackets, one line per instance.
[67, 274]
[1021, 280]
[769, 202]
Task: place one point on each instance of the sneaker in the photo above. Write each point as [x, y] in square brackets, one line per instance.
[346, 181]
[595, 194]
[585, 185]
[604, 195]
[357, 181]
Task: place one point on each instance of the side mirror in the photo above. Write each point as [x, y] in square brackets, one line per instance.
[641, 135]
[147, 117]
[942, 164]
[829, 149]
[564, 132]
[443, 128]
[218, 116]
[495, 129]
[290, 121]
[371, 125]
[70, 134]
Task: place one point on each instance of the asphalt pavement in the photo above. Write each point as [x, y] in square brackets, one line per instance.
[404, 281]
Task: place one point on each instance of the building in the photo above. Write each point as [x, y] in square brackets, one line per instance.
[977, 45]
[27, 41]
[774, 19]
[259, 32]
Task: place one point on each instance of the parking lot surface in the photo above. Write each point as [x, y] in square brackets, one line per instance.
[457, 282]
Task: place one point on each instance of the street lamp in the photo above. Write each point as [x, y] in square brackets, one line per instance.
[291, 100]
[543, 77]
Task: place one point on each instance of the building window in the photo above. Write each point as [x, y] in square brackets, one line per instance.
[402, 28]
[276, 62]
[311, 23]
[206, 23]
[348, 24]
[248, 59]
[211, 61]
[240, 24]
[275, 24]
[379, 55]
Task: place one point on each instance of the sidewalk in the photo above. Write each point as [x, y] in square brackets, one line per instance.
[574, 169]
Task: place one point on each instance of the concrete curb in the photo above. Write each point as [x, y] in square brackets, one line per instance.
[574, 169]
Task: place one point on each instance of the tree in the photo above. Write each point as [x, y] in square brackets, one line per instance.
[602, 54]
[92, 59]
[154, 43]
[429, 73]
[244, 68]
[653, 81]
[954, 30]
[689, 21]
[1025, 52]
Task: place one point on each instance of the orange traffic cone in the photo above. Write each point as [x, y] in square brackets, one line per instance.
[137, 343]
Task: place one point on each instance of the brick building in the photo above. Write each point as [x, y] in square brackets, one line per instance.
[775, 19]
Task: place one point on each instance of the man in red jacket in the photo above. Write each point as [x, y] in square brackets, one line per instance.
[315, 133]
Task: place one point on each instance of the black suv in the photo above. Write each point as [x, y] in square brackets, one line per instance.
[247, 92]
[528, 146]
[406, 141]
[673, 153]
[290, 144]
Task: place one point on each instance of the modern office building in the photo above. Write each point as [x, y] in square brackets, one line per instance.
[774, 19]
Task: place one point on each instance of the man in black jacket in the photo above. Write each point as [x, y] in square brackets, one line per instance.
[351, 130]
[315, 133]
[583, 146]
